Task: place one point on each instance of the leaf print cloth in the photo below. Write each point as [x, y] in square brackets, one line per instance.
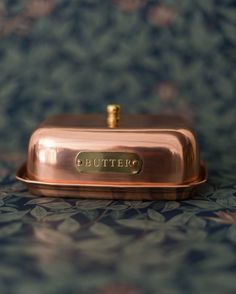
[58, 245]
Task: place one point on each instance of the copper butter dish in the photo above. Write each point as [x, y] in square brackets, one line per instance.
[116, 156]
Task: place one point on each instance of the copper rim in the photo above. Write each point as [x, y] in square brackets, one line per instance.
[22, 177]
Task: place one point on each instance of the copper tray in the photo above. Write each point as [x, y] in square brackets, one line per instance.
[113, 191]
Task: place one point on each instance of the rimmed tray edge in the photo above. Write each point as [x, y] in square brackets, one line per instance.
[21, 176]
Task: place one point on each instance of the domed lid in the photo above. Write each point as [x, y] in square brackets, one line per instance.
[114, 150]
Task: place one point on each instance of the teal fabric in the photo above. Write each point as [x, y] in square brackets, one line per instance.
[150, 57]
[50, 245]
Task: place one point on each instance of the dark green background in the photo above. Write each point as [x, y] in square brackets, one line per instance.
[148, 56]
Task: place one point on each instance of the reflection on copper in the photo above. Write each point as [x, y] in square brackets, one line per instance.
[166, 146]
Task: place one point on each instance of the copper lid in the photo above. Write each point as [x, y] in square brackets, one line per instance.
[113, 150]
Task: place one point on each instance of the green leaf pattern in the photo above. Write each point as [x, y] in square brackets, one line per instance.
[133, 246]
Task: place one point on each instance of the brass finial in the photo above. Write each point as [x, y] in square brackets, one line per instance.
[113, 115]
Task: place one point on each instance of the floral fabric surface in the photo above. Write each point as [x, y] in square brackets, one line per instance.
[52, 245]
[151, 57]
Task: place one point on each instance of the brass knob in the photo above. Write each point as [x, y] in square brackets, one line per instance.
[113, 115]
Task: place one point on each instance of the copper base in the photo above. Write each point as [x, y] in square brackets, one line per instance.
[123, 192]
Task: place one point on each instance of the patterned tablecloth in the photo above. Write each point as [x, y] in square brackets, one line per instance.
[53, 245]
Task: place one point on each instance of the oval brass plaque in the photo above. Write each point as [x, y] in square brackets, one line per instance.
[108, 162]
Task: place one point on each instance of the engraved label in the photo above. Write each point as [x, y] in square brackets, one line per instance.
[112, 162]
[108, 162]
[128, 163]
[105, 162]
[120, 163]
[88, 162]
[79, 162]
[96, 162]
[135, 162]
